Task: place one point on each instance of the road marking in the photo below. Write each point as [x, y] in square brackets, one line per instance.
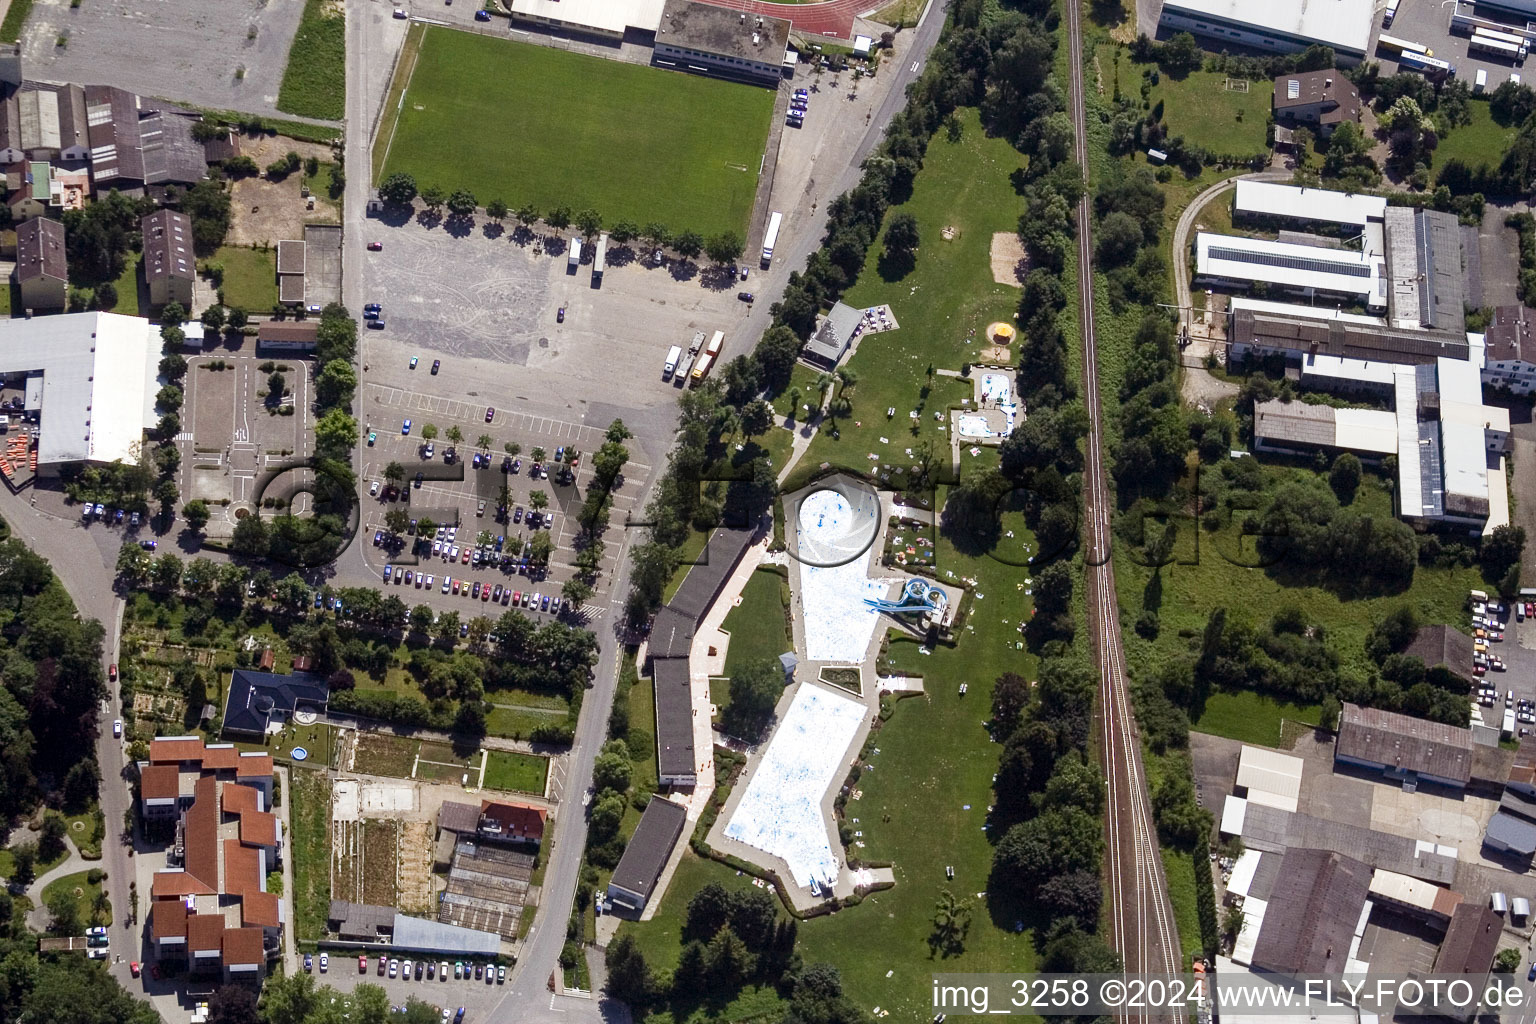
[915, 66]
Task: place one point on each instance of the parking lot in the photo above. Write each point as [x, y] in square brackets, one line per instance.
[1429, 24]
[477, 998]
[188, 49]
[451, 494]
[230, 429]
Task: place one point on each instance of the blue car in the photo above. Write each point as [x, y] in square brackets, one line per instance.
[405, 428]
[319, 600]
[1531, 975]
[479, 16]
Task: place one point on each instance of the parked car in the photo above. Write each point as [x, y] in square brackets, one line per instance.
[400, 13]
[405, 428]
[746, 297]
[447, 581]
[147, 545]
[436, 365]
[376, 325]
[117, 728]
[379, 246]
[490, 413]
[482, 15]
[309, 962]
[372, 307]
[413, 362]
[362, 964]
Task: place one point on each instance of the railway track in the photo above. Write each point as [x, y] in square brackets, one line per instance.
[1141, 918]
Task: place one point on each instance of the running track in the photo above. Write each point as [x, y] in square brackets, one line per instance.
[832, 18]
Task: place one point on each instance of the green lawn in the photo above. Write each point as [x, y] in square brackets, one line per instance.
[128, 286]
[1206, 113]
[757, 625]
[250, 277]
[1252, 717]
[380, 753]
[559, 128]
[948, 295]
[15, 18]
[87, 833]
[85, 898]
[1181, 893]
[521, 773]
[690, 552]
[311, 852]
[315, 80]
[1481, 142]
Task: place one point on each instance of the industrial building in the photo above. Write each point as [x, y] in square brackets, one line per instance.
[90, 378]
[1263, 201]
[1403, 748]
[395, 932]
[1282, 26]
[647, 853]
[608, 20]
[1307, 271]
[710, 40]
[170, 266]
[1314, 912]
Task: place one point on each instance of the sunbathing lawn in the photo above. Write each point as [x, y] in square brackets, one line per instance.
[757, 627]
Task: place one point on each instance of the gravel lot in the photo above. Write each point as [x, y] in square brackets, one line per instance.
[188, 49]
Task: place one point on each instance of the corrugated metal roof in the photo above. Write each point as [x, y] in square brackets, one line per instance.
[1270, 773]
[1405, 743]
[415, 933]
[1311, 915]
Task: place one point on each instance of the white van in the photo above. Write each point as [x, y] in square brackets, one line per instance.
[673, 355]
[1481, 83]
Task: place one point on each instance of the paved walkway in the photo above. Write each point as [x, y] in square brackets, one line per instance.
[37, 917]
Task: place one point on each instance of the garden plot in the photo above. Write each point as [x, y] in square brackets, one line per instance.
[380, 856]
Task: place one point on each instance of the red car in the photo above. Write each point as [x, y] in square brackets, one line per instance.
[362, 965]
[133, 968]
[375, 246]
[112, 672]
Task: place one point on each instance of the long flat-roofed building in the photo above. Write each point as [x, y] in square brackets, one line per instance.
[711, 40]
[1306, 270]
[1280, 26]
[646, 854]
[605, 19]
[1297, 205]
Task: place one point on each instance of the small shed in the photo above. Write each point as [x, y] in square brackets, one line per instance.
[1498, 902]
[862, 45]
[1520, 907]
[788, 661]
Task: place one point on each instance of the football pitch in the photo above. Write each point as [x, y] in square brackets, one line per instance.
[532, 124]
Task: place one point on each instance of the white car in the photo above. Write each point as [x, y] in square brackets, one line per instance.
[325, 963]
[453, 553]
[117, 728]
[373, 489]
[447, 583]
[428, 584]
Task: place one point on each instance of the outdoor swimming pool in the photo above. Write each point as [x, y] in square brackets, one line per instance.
[973, 426]
[995, 387]
[780, 813]
[838, 624]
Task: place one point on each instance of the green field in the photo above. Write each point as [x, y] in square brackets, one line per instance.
[311, 852]
[1252, 717]
[1207, 114]
[757, 625]
[315, 80]
[555, 128]
[250, 277]
[85, 899]
[1481, 142]
[521, 773]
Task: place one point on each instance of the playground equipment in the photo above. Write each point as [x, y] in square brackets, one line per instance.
[918, 596]
[1001, 333]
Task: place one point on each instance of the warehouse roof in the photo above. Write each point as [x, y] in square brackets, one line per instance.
[1512, 833]
[1305, 329]
[1271, 778]
[1343, 26]
[1311, 915]
[674, 718]
[728, 33]
[1340, 271]
[1470, 941]
[1414, 892]
[1318, 205]
[1404, 743]
[415, 933]
[1362, 430]
[650, 847]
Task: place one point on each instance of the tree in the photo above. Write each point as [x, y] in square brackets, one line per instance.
[607, 813]
[394, 472]
[588, 223]
[901, 234]
[688, 244]
[336, 383]
[434, 198]
[1119, 236]
[132, 565]
[1507, 961]
[470, 720]
[624, 231]
[1010, 696]
[484, 442]
[24, 857]
[81, 784]
[335, 434]
[454, 434]
[727, 961]
[611, 769]
[213, 318]
[755, 690]
[951, 922]
[1055, 843]
[429, 432]
[527, 214]
[1180, 55]
[629, 976]
[1411, 134]
[756, 417]
[540, 547]
[251, 536]
[725, 247]
[233, 1004]
[1076, 894]
[397, 521]
[1344, 477]
[576, 592]
[421, 618]
[166, 573]
[196, 514]
[398, 189]
[512, 448]
[172, 314]
[559, 218]
[448, 627]
[63, 912]
[538, 500]
[496, 210]
[462, 203]
[656, 234]
[290, 999]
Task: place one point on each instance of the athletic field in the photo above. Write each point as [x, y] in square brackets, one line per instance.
[531, 124]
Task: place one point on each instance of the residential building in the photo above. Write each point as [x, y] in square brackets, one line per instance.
[41, 268]
[1510, 359]
[1321, 100]
[213, 914]
[170, 266]
[1281, 26]
[710, 40]
[833, 336]
[176, 763]
[288, 335]
[263, 702]
[646, 854]
[494, 820]
[1403, 748]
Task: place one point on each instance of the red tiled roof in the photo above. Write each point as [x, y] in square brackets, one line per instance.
[205, 931]
[242, 869]
[260, 909]
[242, 946]
[169, 918]
[254, 767]
[178, 883]
[202, 832]
[160, 782]
[516, 820]
[258, 828]
[238, 799]
[220, 758]
[173, 750]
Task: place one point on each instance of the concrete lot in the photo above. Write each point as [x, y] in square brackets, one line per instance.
[126, 43]
[1429, 24]
[477, 998]
[1397, 944]
[322, 269]
[228, 434]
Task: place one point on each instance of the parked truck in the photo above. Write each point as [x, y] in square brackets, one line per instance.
[673, 355]
[574, 260]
